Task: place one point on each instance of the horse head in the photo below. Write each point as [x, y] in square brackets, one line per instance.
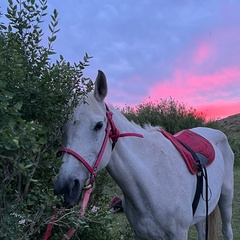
[84, 135]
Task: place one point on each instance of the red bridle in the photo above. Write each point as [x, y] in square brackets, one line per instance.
[111, 133]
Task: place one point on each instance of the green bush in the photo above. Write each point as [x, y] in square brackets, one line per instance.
[167, 113]
[36, 97]
[235, 144]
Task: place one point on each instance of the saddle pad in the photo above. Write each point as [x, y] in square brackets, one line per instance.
[196, 142]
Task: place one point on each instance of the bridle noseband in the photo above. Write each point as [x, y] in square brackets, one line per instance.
[111, 133]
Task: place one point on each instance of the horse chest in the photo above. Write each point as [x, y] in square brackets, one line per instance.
[158, 223]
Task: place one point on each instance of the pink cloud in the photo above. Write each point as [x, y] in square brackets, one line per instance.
[201, 90]
[198, 79]
[219, 109]
[204, 51]
[185, 84]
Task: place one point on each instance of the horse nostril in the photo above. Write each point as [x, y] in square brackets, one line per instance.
[57, 189]
[71, 191]
[74, 188]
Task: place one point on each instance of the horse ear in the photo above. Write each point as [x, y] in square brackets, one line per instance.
[100, 90]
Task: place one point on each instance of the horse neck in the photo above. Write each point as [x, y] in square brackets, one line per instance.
[137, 163]
[125, 164]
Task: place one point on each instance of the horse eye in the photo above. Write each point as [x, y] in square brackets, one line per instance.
[98, 126]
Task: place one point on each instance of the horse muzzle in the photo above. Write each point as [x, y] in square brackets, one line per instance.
[71, 191]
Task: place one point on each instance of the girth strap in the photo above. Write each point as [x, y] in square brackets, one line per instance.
[199, 187]
[202, 173]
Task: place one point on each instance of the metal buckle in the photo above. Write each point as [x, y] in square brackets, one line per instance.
[87, 185]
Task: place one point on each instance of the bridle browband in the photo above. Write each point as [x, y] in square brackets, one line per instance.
[111, 133]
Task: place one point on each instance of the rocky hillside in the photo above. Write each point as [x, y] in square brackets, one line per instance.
[231, 125]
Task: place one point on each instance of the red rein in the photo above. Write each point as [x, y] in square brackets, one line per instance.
[111, 133]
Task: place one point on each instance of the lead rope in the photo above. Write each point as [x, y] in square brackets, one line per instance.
[50, 226]
[72, 230]
[86, 197]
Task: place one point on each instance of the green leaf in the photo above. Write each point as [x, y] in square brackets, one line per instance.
[50, 28]
[9, 26]
[42, 140]
[43, 8]
[28, 166]
[56, 31]
[18, 105]
[55, 13]
[2, 84]
[34, 180]
[9, 95]
[51, 52]
[52, 39]
[21, 166]
[12, 123]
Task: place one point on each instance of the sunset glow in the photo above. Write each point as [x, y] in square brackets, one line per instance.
[188, 51]
[213, 94]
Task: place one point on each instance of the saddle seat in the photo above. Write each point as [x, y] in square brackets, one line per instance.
[189, 143]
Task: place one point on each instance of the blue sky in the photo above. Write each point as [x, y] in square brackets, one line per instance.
[187, 50]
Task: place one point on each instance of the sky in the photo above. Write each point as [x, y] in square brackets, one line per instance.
[188, 50]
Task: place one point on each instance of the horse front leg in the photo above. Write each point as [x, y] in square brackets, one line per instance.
[225, 206]
[200, 226]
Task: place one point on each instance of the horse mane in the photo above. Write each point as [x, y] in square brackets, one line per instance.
[151, 128]
[148, 127]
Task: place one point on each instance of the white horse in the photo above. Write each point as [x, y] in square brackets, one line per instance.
[158, 188]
